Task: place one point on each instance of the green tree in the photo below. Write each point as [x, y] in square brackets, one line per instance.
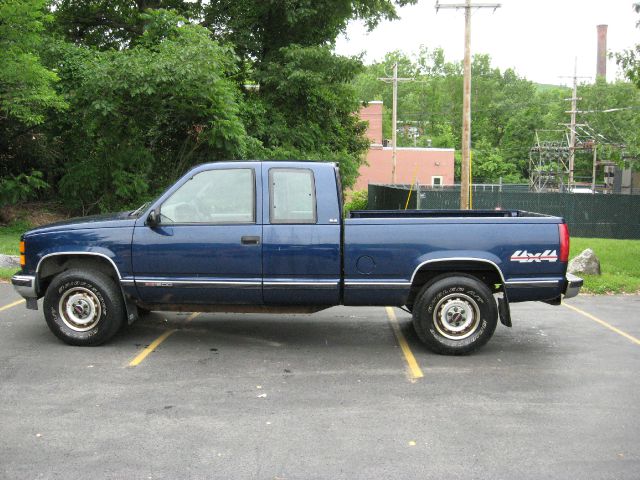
[151, 93]
[297, 102]
[629, 60]
[26, 87]
[143, 115]
[505, 108]
[112, 24]
[306, 108]
[259, 29]
[489, 165]
[27, 95]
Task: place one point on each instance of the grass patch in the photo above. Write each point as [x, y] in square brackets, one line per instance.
[7, 273]
[619, 263]
[9, 244]
[10, 237]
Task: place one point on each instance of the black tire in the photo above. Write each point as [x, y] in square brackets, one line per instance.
[455, 315]
[84, 307]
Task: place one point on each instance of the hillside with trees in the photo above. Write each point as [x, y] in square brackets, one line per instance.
[506, 111]
[105, 103]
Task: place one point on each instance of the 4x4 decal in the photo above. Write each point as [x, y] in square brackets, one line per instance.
[523, 256]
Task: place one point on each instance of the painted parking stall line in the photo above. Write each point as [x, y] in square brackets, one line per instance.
[152, 346]
[138, 359]
[11, 305]
[603, 323]
[413, 369]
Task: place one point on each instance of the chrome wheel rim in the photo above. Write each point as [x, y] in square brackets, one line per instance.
[80, 309]
[456, 316]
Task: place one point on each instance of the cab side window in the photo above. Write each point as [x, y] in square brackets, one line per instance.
[292, 195]
[213, 197]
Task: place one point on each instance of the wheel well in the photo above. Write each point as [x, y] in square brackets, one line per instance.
[486, 273]
[57, 264]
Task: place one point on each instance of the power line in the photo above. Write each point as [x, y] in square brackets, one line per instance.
[609, 110]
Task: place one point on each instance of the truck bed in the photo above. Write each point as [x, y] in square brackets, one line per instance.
[383, 250]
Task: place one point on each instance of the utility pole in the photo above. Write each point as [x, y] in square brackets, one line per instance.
[466, 94]
[572, 126]
[593, 171]
[394, 117]
[394, 123]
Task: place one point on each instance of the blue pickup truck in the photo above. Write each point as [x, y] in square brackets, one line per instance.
[269, 237]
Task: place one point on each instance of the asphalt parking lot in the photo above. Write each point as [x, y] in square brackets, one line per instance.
[334, 395]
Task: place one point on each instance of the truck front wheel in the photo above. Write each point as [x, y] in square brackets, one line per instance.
[84, 307]
[455, 315]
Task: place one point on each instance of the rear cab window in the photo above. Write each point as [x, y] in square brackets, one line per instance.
[292, 196]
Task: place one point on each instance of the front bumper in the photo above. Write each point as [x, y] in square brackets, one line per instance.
[572, 286]
[25, 285]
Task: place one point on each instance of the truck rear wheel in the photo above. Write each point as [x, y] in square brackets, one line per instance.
[455, 315]
[84, 307]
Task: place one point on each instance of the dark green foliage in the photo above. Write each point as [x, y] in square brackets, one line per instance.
[305, 110]
[26, 87]
[259, 29]
[27, 91]
[141, 116]
[112, 24]
[154, 87]
[113, 100]
[19, 188]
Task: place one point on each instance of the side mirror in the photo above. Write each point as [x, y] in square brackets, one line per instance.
[153, 219]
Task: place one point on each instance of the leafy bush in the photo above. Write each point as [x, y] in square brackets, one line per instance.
[142, 116]
[358, 201]
[20, 188]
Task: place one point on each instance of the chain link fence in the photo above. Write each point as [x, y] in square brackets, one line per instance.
[588, 215]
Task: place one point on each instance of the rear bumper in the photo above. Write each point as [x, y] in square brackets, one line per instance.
[572, 286]
[25, 285]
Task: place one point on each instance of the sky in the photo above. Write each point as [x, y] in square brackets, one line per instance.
[539, 39]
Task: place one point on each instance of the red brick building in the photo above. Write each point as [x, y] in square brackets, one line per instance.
[429, 166]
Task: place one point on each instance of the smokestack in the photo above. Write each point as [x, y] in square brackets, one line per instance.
[601, 71]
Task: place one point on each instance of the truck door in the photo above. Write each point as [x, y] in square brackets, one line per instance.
[301, 236]
[207, 248]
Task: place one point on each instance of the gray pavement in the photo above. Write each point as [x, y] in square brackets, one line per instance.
[324, 396]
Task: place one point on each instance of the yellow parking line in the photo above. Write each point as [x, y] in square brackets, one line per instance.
[144, 353]
[603, 323]
[153, 345]
[414, 369]
[7, 307]
[191, 317]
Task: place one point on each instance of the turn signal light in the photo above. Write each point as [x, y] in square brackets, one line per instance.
[23, 260]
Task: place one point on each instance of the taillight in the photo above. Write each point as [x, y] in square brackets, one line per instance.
[23, 260]
[564, 242]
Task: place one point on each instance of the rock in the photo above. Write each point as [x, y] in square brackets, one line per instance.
[586, 263]
[9, 261]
